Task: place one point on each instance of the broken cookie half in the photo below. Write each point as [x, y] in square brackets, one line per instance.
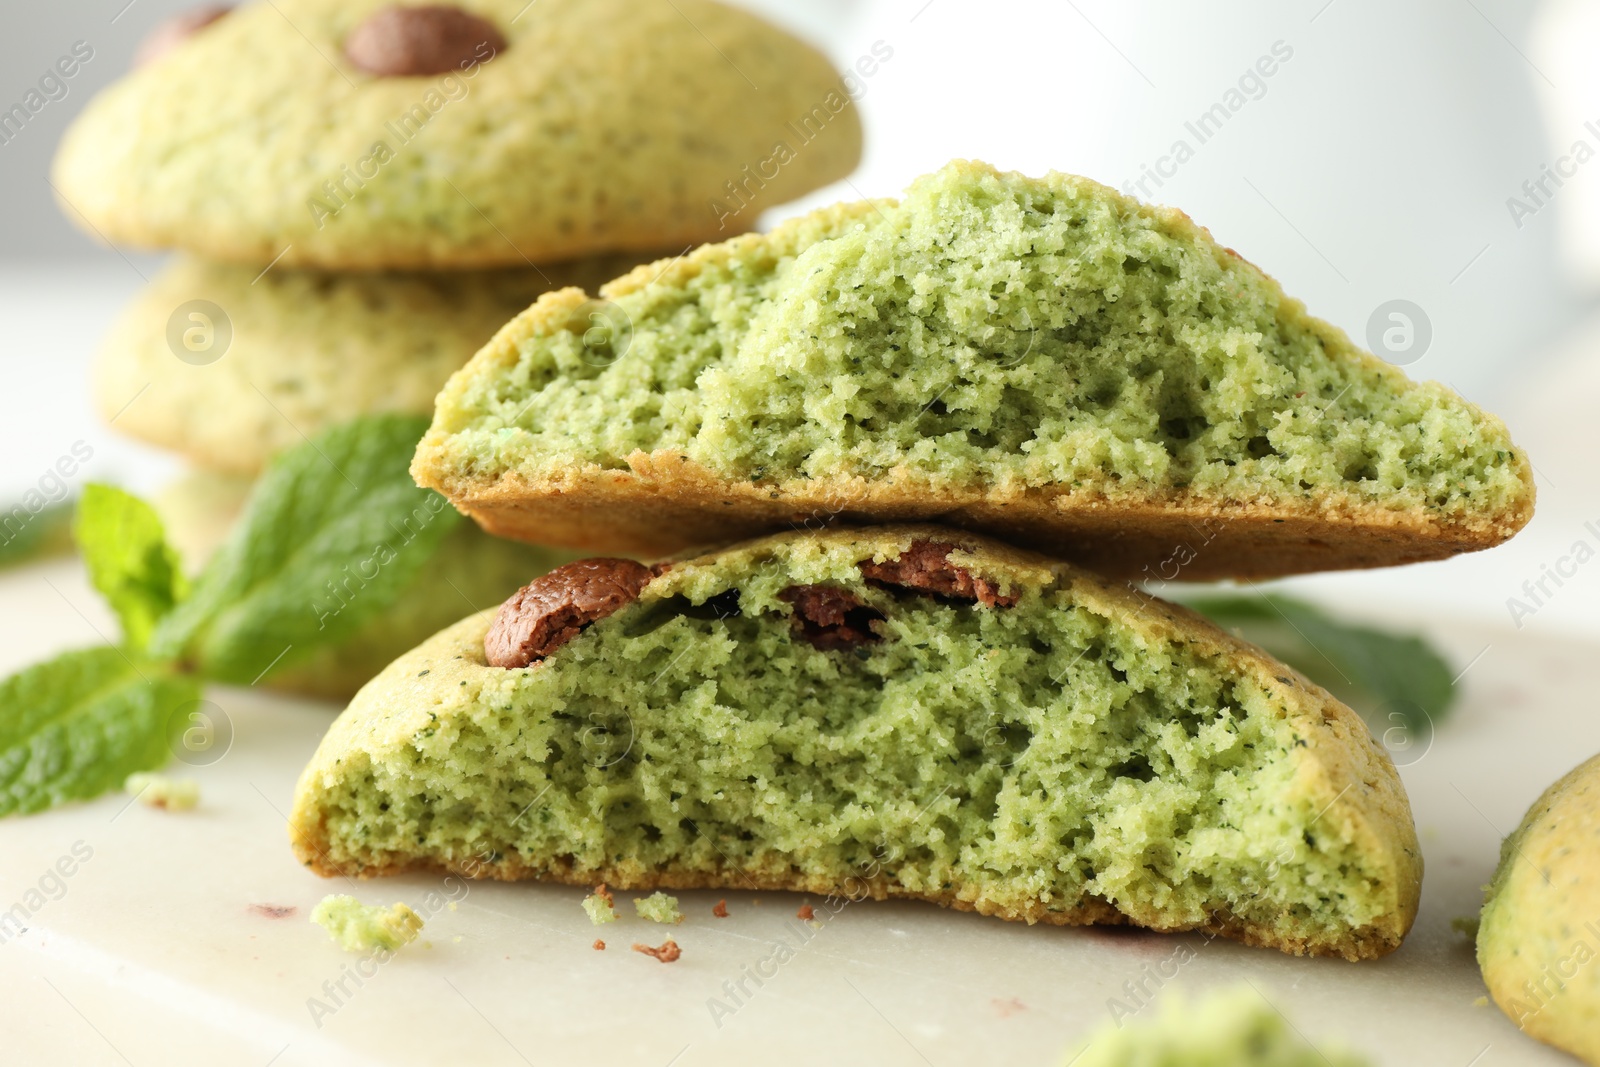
[896, 712]
[1042, 359]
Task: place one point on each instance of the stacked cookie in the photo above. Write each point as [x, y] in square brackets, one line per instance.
[860, 707]
[363, 192]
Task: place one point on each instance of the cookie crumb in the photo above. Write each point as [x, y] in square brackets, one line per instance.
[159, 791]
[599, 945]
[721, 910]
[666, 952]
[360, 928]
[805, 913]
[1007, 1008]
[600, 906]
[658, 907]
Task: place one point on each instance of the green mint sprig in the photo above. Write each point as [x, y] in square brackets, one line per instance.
[77, 725]
[129, 561]
[333, 533]
[1390, 677]
[27, 535]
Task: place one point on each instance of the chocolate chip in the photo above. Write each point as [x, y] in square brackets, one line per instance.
[831, 618]
[551, 610]
[171, 32]
[925, 567]
[434, 39]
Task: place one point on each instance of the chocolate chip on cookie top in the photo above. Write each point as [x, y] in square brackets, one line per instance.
[170, 33]
[925, 567]
[433, 39]
[553, 609]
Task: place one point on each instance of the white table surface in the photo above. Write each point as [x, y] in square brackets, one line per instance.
[152, 954]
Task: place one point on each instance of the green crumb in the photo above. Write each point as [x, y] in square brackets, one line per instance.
[1233, 1028]
[159, 791]
[358, 927]
[658, 907]
[600, 906]
[1466, 926]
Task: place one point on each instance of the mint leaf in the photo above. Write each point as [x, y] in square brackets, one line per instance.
[129, 560]
[26, 536]
[334, 531]
[76, 726]
[1402, 674]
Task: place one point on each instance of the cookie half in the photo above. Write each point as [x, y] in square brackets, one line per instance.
[469, 570]
[1539, 935]
[893, 712]
[364, 134]
[228, 365]
[1043, 359]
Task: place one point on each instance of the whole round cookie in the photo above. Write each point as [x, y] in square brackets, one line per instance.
[228, 365]
[360, 134]
[1540, 929]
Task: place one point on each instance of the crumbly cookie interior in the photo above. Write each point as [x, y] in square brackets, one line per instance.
[1027, 759]
[990, 331]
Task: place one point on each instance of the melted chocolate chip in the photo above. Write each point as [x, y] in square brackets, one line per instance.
[831, 618]
[553, 609]
[401, 42]
[171, 32]
[925, 567]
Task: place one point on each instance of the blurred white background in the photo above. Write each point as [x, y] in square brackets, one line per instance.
[1384, 158]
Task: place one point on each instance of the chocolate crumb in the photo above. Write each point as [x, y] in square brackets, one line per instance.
[721, 910]
[830, 618]
[405, 42]
[925, 567]
[805, 913]
[554, 608]
[666, 952]
[1007, 1008]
